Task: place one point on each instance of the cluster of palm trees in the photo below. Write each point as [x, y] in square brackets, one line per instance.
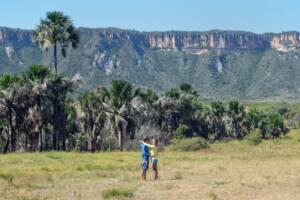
[39, 112]
[28, 104]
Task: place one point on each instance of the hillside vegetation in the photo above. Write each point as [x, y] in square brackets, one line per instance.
[235, 72]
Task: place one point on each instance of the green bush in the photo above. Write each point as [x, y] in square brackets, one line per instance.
[181, 132]
[254, 137]
[81, 142]
[189, 144]
[118, 193]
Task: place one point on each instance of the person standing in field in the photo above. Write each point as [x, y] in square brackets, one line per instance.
[145, 157]
[154, 155]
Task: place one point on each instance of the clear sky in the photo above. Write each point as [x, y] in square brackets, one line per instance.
[159, 15]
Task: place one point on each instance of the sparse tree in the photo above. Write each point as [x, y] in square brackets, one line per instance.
[58, 30]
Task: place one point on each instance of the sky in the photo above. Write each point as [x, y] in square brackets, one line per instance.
[160, 15]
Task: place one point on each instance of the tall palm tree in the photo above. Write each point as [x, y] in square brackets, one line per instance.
[120, 94]
[40, 114]
[58, 88]
[91, 118]
[217, 124]
[56, 29]
[237, 113]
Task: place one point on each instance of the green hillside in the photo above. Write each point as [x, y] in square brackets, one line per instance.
[250, 73]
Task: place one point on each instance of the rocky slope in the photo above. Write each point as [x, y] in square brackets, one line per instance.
[220, 64]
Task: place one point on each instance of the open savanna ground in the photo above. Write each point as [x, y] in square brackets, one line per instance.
[233, 170]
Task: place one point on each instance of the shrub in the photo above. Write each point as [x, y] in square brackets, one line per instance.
[81, 141]
[189, 144]
[118, 193]
[181, 132]
[254, 137]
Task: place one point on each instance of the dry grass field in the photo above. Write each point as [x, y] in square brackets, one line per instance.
[231, 171]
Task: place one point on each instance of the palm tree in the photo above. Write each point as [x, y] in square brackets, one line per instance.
[58, 89]
[7, 80]
[91, 117]
[56, 29]
[217, 124]
[120, 94]
[40, 114]
[14, 104]
[147, 95]
[36, 73]
[237, 113]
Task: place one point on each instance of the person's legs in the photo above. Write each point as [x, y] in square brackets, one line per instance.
[142, 175]
[155, 169]
[144, 170]
[145, 175]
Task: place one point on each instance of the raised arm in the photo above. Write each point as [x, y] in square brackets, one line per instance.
[148, 145]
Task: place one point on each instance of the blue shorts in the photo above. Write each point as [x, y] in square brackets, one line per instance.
[154, 161]
[145, 164]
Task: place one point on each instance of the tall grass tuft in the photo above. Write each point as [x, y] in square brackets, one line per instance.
[118, 193]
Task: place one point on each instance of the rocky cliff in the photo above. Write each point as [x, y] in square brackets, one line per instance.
[224, 40]
[220, 64]
[15, 38]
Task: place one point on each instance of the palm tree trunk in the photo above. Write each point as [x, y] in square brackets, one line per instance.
[59, 127]
[12, 134]
[41, 144]
[6, 147]
[55, 57]
[55, 129]
[120, 135]
[5, 150]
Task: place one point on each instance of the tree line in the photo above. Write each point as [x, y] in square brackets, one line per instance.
[38, 112]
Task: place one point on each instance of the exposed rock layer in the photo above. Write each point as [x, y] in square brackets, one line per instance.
[179, 40]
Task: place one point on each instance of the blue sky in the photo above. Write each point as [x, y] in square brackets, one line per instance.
[159, 15]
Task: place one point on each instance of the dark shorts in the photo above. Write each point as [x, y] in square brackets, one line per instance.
[145, 164]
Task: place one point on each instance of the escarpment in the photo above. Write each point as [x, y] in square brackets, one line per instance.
[224, 40]
[219, 64]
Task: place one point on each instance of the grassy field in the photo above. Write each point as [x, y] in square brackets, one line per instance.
[295, 107]
[233, 170]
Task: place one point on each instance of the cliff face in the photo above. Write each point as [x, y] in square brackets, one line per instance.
[285, 42]
[15, 38]
[219, 64]
[177, 40]
[224, 40]
[199, 42]
[208, 40]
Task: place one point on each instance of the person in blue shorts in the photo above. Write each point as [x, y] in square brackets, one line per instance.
[145, 158]
[154, 155]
